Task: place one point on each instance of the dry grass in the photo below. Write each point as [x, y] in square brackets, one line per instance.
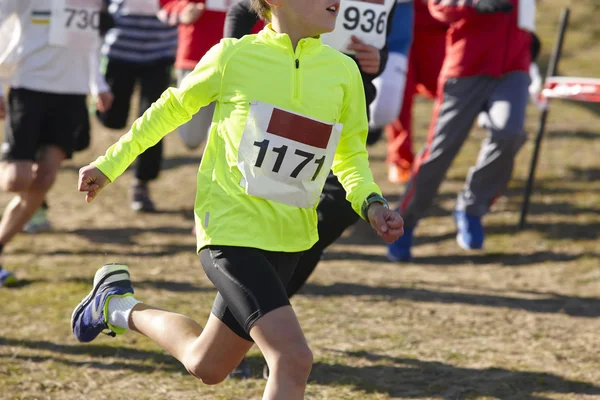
[518, 321]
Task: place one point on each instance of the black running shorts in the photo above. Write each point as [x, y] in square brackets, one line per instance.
[36, 119]
[250, 282]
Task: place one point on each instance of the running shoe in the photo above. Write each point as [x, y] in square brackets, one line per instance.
[7, 278]
[90, 317]
[399, 250]
[470, 234]
[141, 201]
[39, 222]
[242, 371]
[398, 175]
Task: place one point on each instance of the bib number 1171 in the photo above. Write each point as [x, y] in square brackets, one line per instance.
[281, 152]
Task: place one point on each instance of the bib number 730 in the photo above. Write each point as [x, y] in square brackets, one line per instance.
[82, 18]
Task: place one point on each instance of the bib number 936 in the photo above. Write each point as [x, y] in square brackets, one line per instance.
[367, 21]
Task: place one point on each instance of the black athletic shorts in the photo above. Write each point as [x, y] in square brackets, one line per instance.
[251, 282]
[36, 119]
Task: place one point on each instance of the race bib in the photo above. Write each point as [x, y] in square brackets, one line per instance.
[286, 157]
[140, 7]
[218, 5]
[366, 20]
[527, 15]
[74, 23]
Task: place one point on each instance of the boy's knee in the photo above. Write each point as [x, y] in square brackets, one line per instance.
[17, 177]
[44, 180]
[208, 374]
[296, 362]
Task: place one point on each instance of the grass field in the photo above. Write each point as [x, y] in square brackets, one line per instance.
[519, 320]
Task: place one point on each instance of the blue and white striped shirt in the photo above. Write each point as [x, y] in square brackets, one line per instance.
[137, 38]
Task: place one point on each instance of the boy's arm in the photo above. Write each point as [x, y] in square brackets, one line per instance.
[351, 161]
[175, 107]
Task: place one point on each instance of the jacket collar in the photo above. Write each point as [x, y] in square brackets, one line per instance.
[283, 41]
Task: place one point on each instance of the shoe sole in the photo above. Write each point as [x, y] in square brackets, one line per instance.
[464, 246]
[102, 274]
[38, 228]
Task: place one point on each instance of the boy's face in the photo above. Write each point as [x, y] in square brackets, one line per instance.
[316, 16]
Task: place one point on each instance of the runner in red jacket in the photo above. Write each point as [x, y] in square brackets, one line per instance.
[424, 64]
[488, 52]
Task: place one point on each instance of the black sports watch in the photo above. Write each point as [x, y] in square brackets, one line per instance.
[372, 198]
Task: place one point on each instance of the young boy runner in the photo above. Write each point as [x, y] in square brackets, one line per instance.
[288, 109]
[56, 67]
[334, 212]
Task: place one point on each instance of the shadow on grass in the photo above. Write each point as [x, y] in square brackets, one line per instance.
[505, 259]
[549, 303]
[582, 135]
[159, 360]
[407, 377]
[126, 235]
[172, 286]
[412, 378]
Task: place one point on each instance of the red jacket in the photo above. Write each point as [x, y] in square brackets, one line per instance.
[423, 19]
[481, 44]
[197, 38]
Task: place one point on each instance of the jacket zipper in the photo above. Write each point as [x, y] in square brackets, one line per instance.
[296, 79]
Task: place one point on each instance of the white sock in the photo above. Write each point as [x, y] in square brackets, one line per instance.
[119, 309]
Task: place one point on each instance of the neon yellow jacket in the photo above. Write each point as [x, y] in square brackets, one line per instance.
[283, 119]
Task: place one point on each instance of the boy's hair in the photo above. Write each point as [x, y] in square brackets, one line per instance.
[262, 9]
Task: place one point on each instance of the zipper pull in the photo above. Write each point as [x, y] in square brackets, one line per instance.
[297, 63]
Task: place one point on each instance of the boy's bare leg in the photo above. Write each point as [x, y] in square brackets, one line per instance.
[32, 186]
[279, 336]
[209, 354]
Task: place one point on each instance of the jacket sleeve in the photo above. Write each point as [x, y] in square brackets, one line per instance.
[175, 107]
[240, 20]
[351, 161]
[450, 11]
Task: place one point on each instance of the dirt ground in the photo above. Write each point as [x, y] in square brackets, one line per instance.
[519, 320]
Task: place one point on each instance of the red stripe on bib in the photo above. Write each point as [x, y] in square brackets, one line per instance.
[300, 129]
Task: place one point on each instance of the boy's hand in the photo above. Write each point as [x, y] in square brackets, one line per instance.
[367, 56]
[104, 101]
[191, 13]
[387, 223]
[2, 108]
[91, 180]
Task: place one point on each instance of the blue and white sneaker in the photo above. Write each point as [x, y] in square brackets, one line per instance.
[399, 250]
[90, 317]
[470, 234]
[7, 278]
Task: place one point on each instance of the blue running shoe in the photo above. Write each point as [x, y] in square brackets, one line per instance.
[470, 234]
[89, 318]
[7, 278]
[399, 251]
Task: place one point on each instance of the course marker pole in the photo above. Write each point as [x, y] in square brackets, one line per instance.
[552, 67]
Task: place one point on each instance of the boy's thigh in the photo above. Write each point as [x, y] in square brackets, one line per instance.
[251, 283]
